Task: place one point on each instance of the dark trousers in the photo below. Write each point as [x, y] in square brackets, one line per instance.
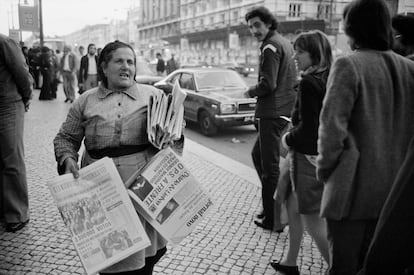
[149, 265]
[348, 244]
[266, 155]
[14, 198]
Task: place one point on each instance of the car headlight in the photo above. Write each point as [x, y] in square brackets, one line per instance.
[227, 108]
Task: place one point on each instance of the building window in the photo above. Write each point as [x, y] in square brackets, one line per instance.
[222, 18]
[235, 16]
[294, 10]
[324, 11]
[203, 6]
[213, 4]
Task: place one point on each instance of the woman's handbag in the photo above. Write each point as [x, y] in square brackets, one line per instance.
[339, 187]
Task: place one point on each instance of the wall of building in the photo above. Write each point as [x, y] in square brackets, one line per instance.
[198, 17]
[405, 6]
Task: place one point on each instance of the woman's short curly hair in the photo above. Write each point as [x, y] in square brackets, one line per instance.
[265, 15]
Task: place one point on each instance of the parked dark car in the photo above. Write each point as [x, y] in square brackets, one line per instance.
[241, 68]
[144, 74]
[215, 97]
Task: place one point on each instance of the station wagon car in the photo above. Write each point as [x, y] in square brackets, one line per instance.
[215, 97]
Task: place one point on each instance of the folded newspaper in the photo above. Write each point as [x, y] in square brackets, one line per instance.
[99, 215]
[167, 195]
[166, 116]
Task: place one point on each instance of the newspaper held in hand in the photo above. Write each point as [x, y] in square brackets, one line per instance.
[167, 195]
[99, 215]
[166, 117]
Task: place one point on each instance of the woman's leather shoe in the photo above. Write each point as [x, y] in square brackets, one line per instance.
[263, 224]
[261, 215]
[285, 269]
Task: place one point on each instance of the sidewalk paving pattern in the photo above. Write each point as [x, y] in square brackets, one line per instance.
[225, 242]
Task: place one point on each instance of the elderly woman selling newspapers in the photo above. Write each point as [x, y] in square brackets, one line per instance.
[113, 120]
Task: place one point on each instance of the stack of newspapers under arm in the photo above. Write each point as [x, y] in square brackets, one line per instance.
[166, 117]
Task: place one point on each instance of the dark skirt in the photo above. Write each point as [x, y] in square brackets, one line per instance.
[307, 187]
[45, 92]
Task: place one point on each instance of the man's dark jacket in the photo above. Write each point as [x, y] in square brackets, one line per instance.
[84, 66]
[277, 78]
[15, 79]
[391, 249]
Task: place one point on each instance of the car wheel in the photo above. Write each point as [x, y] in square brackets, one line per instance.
[207, 125]
[246, 75]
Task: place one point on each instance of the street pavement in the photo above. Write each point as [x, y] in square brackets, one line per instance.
[225, 242]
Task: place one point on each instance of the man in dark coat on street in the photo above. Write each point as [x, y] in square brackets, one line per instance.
[275, 98]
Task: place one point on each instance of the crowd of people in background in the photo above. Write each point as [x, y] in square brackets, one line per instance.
[75, 70]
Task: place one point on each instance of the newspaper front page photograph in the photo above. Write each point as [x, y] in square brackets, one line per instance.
[99, 215]
[168, 196]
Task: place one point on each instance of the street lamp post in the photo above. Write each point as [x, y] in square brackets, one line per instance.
[41, 24]
[229, 23]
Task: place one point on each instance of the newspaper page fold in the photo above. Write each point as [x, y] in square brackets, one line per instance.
[167, 195]
[99, 215]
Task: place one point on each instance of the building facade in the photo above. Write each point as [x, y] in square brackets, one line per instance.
[99, 34]
[159, 19]
[215, 31]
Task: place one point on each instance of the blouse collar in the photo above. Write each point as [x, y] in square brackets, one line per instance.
[131, 91]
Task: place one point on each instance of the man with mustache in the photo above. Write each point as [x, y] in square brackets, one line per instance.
[275, 98]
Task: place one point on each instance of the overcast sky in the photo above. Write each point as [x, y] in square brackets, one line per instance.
[61, 17]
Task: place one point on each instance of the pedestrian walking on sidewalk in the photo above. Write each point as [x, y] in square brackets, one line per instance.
[88, 71]
[172, 64]
[46, 70]
[15, 94]
[160, 64]
[112, 120]
[313, 55]
[367, 111]
[275, 98]
[68, 68]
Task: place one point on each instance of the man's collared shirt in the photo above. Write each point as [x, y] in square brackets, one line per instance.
[92, 65]
[66, 63]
